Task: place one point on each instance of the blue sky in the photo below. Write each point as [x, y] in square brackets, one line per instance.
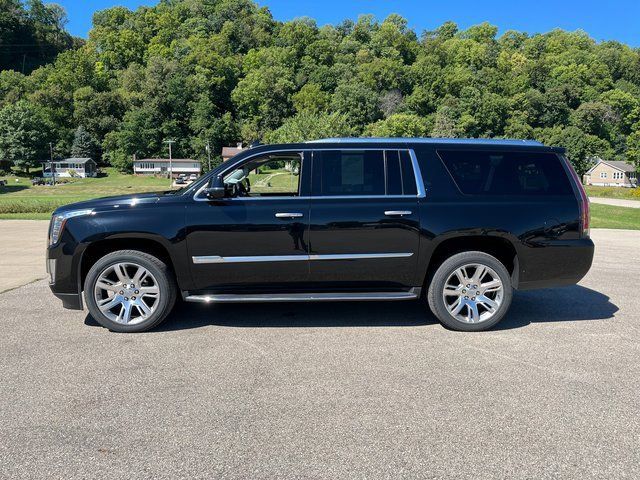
[602, 19]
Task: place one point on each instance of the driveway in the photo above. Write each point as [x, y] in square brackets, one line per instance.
[616, 202]
[22, 249]
[377, 390]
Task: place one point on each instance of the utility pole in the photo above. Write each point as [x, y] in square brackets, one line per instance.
[170, 142]
[209, 153]
[53, 168]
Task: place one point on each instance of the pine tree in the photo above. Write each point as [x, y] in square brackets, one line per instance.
[84, 145]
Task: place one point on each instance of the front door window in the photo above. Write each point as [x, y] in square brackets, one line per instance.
[276, 175]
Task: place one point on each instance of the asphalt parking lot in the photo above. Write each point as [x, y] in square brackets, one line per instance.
[376, 390]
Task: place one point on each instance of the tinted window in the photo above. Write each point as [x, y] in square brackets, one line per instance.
[349, 172]
[394, 175]
[408, 177]
[507, 173]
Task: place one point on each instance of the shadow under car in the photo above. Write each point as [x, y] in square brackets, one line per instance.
[567, 304]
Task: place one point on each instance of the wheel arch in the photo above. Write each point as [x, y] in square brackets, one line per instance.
[499, 247]
[100, 248]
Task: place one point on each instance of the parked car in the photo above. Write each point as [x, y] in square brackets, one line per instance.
[184, 176]
[38, 181]
[193, 177]
[180, 181]
[459, 223]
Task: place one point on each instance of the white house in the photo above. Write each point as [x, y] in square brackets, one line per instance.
[161, 166]
[71, 167]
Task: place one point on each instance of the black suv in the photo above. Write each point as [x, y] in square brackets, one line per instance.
[462, 222]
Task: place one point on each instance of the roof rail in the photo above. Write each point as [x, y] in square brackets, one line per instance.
[454, 141]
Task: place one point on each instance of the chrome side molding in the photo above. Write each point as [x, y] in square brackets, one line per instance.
[305, 297]
[201, 260]
[359, 256]
[253, 259]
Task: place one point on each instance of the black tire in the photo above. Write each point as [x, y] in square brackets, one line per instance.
[163, 276]
[446, 269]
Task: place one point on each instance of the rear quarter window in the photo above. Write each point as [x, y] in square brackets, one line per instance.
[506, 173]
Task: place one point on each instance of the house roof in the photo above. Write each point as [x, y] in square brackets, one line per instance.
[74, 160]
[229, 152]
[166, 160]
[617, 164]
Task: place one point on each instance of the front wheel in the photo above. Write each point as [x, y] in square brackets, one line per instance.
[129, 291]
[470, 292]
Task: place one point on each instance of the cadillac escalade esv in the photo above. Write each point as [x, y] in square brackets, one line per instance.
[458, 223]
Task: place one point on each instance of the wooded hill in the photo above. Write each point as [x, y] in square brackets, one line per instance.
[222, 71]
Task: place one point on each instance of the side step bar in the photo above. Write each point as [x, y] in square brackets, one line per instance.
[304, 297]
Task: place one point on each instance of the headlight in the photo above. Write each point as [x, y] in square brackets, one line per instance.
[58, 221]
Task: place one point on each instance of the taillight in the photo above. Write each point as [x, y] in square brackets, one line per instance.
[585, 210]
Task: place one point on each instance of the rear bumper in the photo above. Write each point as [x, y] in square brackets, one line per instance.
[556, 264]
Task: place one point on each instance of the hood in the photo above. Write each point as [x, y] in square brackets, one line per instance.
[116, 202]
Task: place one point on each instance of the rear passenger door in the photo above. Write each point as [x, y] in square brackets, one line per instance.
[364, 227]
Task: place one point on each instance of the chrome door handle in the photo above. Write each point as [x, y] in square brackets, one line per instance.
[397, 213]
[289, 215]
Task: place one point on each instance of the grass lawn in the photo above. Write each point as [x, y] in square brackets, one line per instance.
[22, 198]
[271, 181]
[613, 192]
[25, 216]
[608, 216]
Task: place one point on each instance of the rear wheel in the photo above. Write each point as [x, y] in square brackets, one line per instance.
[471, 291]
[129, 291]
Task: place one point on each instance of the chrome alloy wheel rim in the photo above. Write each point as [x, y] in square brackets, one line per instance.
[127, 293]
[473, 293]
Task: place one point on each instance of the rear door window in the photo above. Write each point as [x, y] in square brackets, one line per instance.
[348, 172]
[506, 173]
[362, 173]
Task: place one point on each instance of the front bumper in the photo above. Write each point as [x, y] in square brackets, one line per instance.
[63, 278]
[70, 301]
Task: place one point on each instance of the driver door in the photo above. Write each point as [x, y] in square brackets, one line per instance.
[257, 237]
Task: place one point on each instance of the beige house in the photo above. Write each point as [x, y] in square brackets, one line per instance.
[611, 174]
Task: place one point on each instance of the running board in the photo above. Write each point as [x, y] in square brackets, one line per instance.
[304, 297]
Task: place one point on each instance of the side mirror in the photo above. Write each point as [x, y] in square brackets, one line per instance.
[216, 190]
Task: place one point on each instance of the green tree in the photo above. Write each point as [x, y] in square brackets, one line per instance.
[311, 126]
[263, 99]
[633, 152]
[400, 125]
[595, 118]
[311, 99]
[445, 123]
[84, 145]
[582, 148]
[23, 135]
[31, 34]
[357, 101]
